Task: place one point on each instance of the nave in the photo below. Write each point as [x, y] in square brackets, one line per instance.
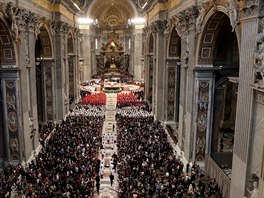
[120, 137]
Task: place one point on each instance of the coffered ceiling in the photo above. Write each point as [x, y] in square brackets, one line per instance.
[112, 12]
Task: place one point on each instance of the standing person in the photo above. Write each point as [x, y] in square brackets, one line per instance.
[97, 187]
[97, 179]
[113, 127]
[111, 178]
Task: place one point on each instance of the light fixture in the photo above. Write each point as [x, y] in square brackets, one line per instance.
[85, 21]
[144, 5]
[138, 21]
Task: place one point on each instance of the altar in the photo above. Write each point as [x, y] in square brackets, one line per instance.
[112, 87]
[112, 57]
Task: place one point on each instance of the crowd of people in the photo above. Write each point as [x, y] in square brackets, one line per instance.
[133, 111]
[66, 166]
[7, 179]
[128, 99]
[94, 99]
[148, 166]
[89, 110]
[44, 131]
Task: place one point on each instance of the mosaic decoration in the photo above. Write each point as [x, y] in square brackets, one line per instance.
[202, 114]
[11, 101]
[171, 94]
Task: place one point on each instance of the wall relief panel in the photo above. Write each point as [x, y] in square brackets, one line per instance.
[12, 116]
[202, 117]
[171, 94]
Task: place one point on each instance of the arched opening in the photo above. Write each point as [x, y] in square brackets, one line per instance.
[174, 69]
[174, 45]
[71, 69]
[150, 69]
[219, 48]
[44, 82]
[39, 80]
[9, 97]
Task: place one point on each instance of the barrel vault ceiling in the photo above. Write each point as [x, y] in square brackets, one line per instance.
[112, 12]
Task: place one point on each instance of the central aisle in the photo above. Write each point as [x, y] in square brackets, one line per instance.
[108, 150]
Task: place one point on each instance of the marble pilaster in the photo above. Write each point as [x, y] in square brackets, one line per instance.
[48, 65]
[203, 100]
[28, 22]
[184, 23]
[86, 47]
[158, 28]
[172, 91]
[138, 55]
[11, 115]
[250, 26]
[59, 70]
[77, 74]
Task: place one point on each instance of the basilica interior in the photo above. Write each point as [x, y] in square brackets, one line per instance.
[195, 68]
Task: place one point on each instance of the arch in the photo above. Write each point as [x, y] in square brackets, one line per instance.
[46, 43]
[218, 46]
[7, 48]
[96, 6]
[71, 67]
[210, 30]
[174, 44]
[44, 75]
[151, 43]
[70, 43]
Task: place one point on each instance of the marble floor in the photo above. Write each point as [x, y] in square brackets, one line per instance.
[109, 148]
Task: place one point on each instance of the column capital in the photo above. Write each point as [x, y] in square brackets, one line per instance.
[185, 20]
[60, 27]
[250, 8]
[169, 26]
[158, 27]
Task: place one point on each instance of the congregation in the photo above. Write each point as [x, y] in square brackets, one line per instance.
[128, 99]
[94, 99]
[68, 164]
[148, 166]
